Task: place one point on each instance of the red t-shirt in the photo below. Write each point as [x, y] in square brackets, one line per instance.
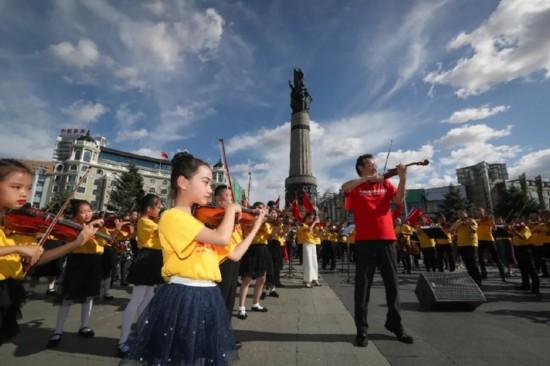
[371, 207]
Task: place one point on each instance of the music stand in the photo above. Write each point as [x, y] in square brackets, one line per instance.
[501, 232]
[434, 232]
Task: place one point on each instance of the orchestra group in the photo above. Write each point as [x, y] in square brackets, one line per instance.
[185, 268]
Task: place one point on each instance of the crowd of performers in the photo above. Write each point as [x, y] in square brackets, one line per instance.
[185, 271]
[522, 241]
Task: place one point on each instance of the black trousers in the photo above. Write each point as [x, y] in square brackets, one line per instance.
[429, 258]
[405, 258]
[276, 251]
[369, 255]
[442, 250]
[526, 266]
[468, 255]
[300, 253]
[540, 262]
[228, 286]
[328, 252]
[489, 246]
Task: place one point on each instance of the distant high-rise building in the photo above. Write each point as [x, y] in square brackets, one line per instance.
[66, 139]
[537, 189]
[41, 181]
[480, 181]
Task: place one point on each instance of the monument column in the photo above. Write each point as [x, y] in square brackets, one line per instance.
[300, 177]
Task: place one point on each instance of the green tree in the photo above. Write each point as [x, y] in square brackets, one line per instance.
[452, 202]
[127, 190]
[514, 202]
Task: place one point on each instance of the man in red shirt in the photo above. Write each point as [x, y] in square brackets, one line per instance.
[370, 198]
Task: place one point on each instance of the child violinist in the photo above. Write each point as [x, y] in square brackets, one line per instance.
[82, 277]
[186, 322]
[15, 185]
[145, 271]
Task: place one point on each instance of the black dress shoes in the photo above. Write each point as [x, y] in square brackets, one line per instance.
[361, 340]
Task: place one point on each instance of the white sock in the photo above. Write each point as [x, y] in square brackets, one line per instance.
[257, 306]
[86, 312]
[130, 312]
[62, 315]
[242, 309]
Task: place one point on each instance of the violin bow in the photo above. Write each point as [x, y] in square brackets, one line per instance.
[60, 213]
[387, 157]
[224, 157]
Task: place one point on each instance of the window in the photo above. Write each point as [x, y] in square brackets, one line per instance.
[77, 154]
[71, 178]
[83, 168]
[164, 182]
[73, 167]
[99, 172]
[59, 168]
[152, 190]
[164, 191]
[87, 156]
[57, 178]
[55, 189]
[94, 192]
[81, 189]
[69, 187]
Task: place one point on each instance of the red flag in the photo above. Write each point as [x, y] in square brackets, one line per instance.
[296, 209]
[414, 215]
[397, 212]
[164, 155]
[308, 206]
[277, 202]
[428, 220]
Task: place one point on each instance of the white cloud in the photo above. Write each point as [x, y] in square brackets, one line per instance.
[126, 117]
[512, 43]
[478, 151]
[535, 163]
[83, 54]
[474, 114]
[131, 76]
[126, 135]
[470, 134]
[83, 112]
[405, 48]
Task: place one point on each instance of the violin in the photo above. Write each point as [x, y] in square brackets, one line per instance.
[393, 172]
[109, 222]
[213, 215]
[31, 221]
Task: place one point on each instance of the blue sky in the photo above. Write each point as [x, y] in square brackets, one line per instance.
[456, 82]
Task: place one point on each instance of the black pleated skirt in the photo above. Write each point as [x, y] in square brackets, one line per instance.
[146, 268]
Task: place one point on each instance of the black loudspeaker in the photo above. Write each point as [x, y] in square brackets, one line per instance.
[443, 290]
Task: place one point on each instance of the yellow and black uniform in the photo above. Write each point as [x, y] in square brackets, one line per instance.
[522, 241]
[445, 251]
[486, 243]
[305, 235]
[329, 249]
[540, 236]
[276, 253]
[147, 265]
[12, 293]
[257, 260]
[403, 233]
[427, 246]
[82, 276]
[466, 238]
[189, 308]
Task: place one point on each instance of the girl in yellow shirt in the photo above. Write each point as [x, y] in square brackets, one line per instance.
[82, 276]
[15, 185]
[186, 322]
[144, 273]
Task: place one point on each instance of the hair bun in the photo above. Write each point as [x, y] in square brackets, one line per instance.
[183, 156]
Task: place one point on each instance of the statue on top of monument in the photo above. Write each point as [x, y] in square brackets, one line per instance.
[300, 100]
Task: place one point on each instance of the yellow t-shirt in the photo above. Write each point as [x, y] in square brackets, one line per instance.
[425, 240]
[517, 240]
[94, 245]
[236, 239]
[352, 237]
[324, 233]
[538, 237]
[317, 235]
[404, 230]
[307, 236]
[183, 255]
[10, 264]
[147, 234]
[465, 237]
[262, 236]
[447, 241]
[333, 237]
[485, 230]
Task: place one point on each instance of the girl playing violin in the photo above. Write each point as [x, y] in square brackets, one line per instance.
[186, 321]
[145, 270]
[82, 277]
[15, 185]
